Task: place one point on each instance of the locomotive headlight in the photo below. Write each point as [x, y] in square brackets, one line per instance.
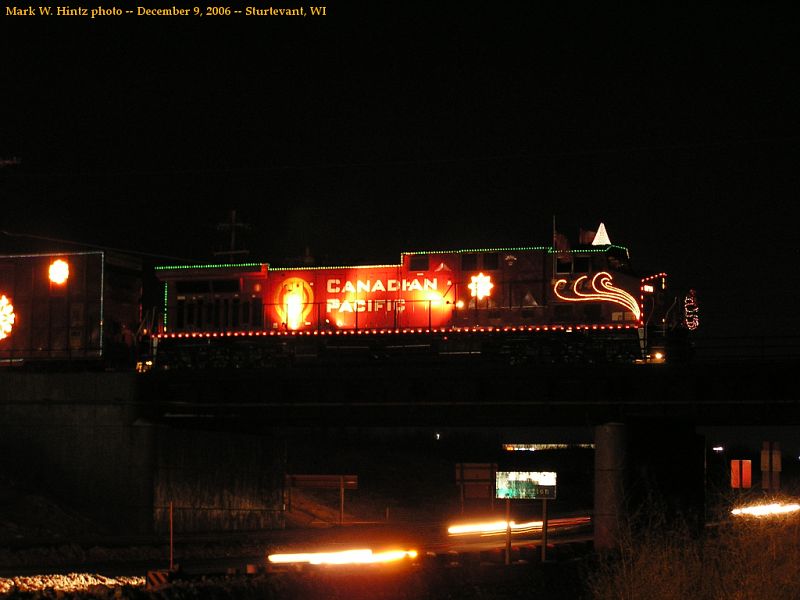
[294, 310]
[293, 302]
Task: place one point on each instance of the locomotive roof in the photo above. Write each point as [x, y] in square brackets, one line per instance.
[257, 266]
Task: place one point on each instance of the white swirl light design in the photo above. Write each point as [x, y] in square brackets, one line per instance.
[7, 317]
[602, 291]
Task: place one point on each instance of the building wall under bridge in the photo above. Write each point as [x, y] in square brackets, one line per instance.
[79, 439]
[217, 480]
[76, 437]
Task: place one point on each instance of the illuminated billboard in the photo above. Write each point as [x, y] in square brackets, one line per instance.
[526, 485]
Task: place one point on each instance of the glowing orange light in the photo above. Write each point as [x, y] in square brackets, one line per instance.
[294, 309]
[492, 527]
[499, 527]
[766, 510]
[7, 317]
[460, 304]
[481, 285]
[294, 300]
[343, 557]
[602, 291]
[59, 271]
[434, 298]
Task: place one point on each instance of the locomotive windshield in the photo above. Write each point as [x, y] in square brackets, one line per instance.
[617, 259]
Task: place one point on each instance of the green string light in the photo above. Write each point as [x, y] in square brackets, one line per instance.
[214, 266]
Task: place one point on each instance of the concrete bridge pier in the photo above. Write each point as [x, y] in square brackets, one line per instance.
[610, 461]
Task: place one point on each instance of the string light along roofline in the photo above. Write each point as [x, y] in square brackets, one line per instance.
[548, 249]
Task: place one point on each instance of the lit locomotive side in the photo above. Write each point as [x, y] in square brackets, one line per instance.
[534, 287]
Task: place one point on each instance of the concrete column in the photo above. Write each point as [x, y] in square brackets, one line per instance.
[610, 441]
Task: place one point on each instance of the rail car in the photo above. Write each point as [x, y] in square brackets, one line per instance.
[69, 309]
[534, 303]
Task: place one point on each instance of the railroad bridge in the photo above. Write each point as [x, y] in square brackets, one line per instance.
[124, 443]
[474, 393]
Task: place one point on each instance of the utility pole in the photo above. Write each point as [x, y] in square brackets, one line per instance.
[233, 226]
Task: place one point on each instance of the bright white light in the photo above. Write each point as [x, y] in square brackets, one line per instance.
[492, 527]
[59, 271]
[658, 356]
[343, 557]
[481, 285]
[435, 299]
[294, 310]
[601, 237]
[718, 449]
[535, 447]
[765, 510]
[7, 317]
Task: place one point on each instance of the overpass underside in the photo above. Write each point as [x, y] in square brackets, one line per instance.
[474, 393]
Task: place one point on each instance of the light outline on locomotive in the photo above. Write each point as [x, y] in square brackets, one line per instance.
[291, 320]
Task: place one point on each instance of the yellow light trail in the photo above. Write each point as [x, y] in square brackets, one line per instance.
[498, 527]
[766, 510]
[360, 556]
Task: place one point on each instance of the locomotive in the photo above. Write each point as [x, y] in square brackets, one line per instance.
[541, 304]
[538, 303]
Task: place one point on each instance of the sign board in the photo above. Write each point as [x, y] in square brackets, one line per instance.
[476, 479]
[348, 482]
[527, 485]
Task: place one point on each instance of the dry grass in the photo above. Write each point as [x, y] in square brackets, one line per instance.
[743, 558]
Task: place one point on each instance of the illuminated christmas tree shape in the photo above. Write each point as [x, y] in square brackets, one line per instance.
[481, 285]
[601, 237]
[7, 317]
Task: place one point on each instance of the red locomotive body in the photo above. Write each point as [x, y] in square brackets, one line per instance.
[589, 288]
[518, 301]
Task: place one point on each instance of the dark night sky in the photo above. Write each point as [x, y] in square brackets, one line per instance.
[384, 127]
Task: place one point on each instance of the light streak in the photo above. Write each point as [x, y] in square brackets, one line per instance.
[603, 290]
[766, 510]
[360, 556]
[537, 447]
[492, 527]
[500, 527]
